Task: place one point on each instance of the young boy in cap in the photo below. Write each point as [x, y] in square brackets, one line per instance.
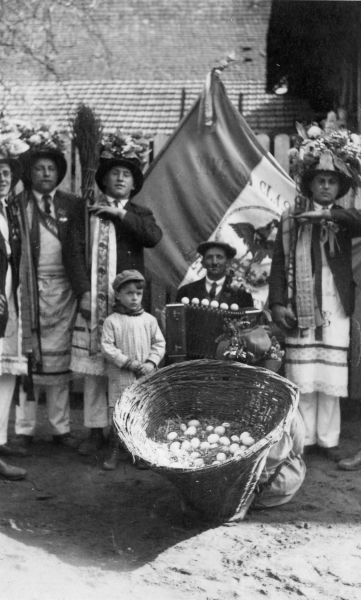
[132, 344]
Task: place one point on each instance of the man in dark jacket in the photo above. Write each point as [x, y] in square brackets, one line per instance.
[216, 285]
[53, 281]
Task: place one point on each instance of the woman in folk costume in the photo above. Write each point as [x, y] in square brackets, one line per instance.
[120, 230]
[53, 281]
[13, 361]
[311, 291]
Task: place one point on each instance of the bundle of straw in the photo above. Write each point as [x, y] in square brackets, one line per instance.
[87, 135]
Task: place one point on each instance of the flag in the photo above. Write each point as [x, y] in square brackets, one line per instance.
[214, 180]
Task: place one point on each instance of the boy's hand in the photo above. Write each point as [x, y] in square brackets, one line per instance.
[134, 366]
[146, 368]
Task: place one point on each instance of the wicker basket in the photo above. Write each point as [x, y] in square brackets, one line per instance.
[261, 401]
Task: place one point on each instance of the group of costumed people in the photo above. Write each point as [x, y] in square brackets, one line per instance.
[59, 315]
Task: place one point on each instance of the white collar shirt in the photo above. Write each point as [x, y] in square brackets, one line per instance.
[219, 283]
[114, 202]
[40, 202]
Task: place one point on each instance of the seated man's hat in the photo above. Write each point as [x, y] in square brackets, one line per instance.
[229, 250]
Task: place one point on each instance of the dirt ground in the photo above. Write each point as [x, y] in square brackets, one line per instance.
[74, 532]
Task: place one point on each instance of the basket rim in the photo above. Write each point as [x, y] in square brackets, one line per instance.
[257, 449]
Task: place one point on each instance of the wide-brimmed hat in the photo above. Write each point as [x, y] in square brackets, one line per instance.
[229, 250]
[125, 277]
[27, 160]
[327, 162]
[133, 164]
[14, 167]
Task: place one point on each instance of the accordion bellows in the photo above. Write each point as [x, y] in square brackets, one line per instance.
[261, 401]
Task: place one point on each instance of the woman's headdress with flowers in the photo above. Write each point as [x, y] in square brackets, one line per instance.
[338, 151]
[45, 136]
[11, 142]
[120, 146]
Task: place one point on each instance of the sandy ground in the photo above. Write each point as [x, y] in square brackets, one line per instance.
[74, 532]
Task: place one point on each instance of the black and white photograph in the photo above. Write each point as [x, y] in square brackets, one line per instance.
[180, 299]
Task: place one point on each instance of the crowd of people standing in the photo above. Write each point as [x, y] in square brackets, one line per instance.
[57, 316]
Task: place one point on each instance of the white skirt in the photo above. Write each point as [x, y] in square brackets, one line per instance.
[322, 366]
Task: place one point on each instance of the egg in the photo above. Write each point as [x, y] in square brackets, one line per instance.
[213, 438]
[244, 435]
[195, 301]
[175, 447]
[195, 442]
[216, 462]
[172, 435]
[205, 302]
[234, 306]
[193, 423]
[185, 300]
[213, 446]
[249, 441]
[195, 455]
[220, 430]
[204, 446]
[226, 425]
[186, 445]
[235, 438]
[209, 428]
[214, 304]
[199, 462]
[221, 456]
[224, 440]
[234, 448]
[191, 431]
[183, 427]
[223, 306]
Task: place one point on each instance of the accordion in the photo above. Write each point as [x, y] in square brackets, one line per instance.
[192, 330]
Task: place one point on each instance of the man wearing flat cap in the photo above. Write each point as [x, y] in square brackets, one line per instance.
[53, 283]
[216, 285]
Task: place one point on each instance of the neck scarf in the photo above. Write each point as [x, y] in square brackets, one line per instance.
[119, 308]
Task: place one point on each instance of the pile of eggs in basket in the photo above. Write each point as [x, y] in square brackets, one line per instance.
[201, 444]
[205, 303]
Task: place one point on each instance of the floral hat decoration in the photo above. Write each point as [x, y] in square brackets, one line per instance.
[337, 151]
[44, 141]
[130, 151]
[11, 146]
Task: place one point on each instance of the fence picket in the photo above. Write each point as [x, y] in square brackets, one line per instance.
[281, 148]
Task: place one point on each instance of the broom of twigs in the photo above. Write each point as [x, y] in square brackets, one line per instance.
[87, 135]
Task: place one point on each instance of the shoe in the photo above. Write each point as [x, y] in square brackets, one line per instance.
[310, 450]
[92, 443]
[7, 450]
[117, 455]
[10, 472]
[23, 441]
[66, 440]
[353, 463]
[332, 453]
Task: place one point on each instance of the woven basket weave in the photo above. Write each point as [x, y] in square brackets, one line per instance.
[261, 401]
